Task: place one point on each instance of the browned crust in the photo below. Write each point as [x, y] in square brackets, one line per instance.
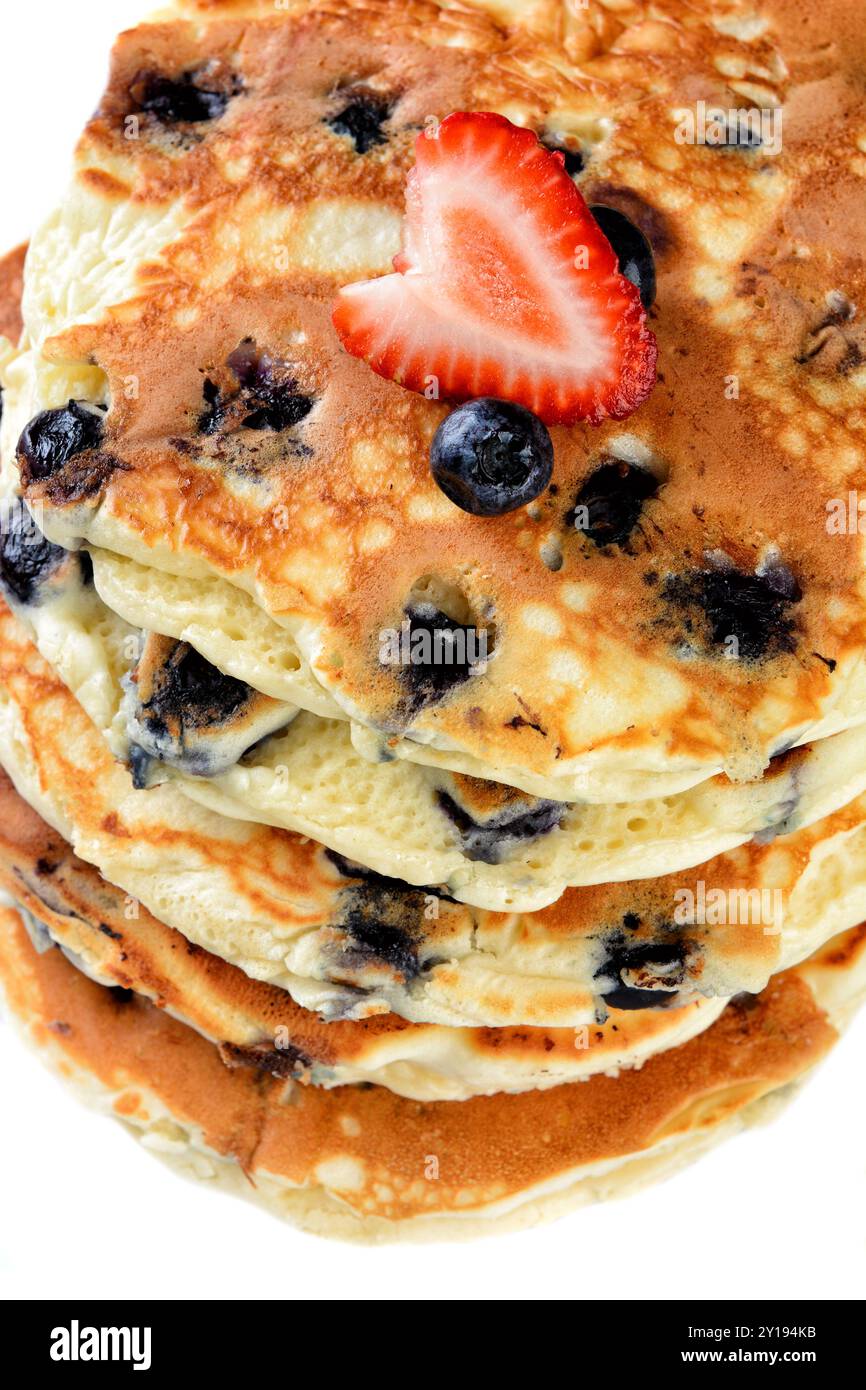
[486, 1149]
[11, 289]
[732, 483]
[287, 881]
[85, 912]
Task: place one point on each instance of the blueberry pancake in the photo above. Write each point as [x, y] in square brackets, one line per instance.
[66, 903]
[352, 943]
[266, 341]
[432, 599]
[171, 716]
[362, 1163]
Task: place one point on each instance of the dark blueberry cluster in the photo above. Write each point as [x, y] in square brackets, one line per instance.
[430, 681]
[383, 919]
[267, 398]
[191, 692]
[723, 603]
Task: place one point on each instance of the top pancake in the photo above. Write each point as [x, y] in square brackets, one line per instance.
[178, 241]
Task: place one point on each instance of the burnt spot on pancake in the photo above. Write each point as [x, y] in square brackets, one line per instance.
[257, 392]
[360, 117]
[610, 501]
[491, 826]
[193, 97]
[183, 711]
[288, 1062]
[722, 603]
[647, 975]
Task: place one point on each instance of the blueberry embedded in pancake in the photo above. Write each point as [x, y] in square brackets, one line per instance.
[286, 1061]
[384, 926]
[749, 615]
[644, 974]
[53, 437]
[440, 645]
[189, 99]
[182, 711]
[440, 655]
[610, 502]
[361, 116]
[492, 819]
[32, 570]
[633, 251]
[263, 395]
[573, 157]
[60, 451]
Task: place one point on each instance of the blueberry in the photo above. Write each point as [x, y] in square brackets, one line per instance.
[632, 250]
[490, 457]
[753, 608]
[189, 691]
[268, 399]
[361, 119]
[573, 158]
[608, 506]
[27, 559]
[453, 648]
[491, 841]
[650, 963]
[55, 436]
[213, 415]
[177, 101]
[276, 402]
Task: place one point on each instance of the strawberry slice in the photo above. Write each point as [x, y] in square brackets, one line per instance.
[505, 286]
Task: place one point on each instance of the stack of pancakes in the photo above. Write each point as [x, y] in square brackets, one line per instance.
[421, 947]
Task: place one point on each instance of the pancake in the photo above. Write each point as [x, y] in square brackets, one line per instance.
[175, 718]
[235, 635]
[728, 621]
[360, 1163]
[67, 903]
[350, 944]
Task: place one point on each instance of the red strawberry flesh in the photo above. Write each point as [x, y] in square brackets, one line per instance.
[505, 286]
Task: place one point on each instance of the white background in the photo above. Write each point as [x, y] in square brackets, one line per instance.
[84, 1212]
